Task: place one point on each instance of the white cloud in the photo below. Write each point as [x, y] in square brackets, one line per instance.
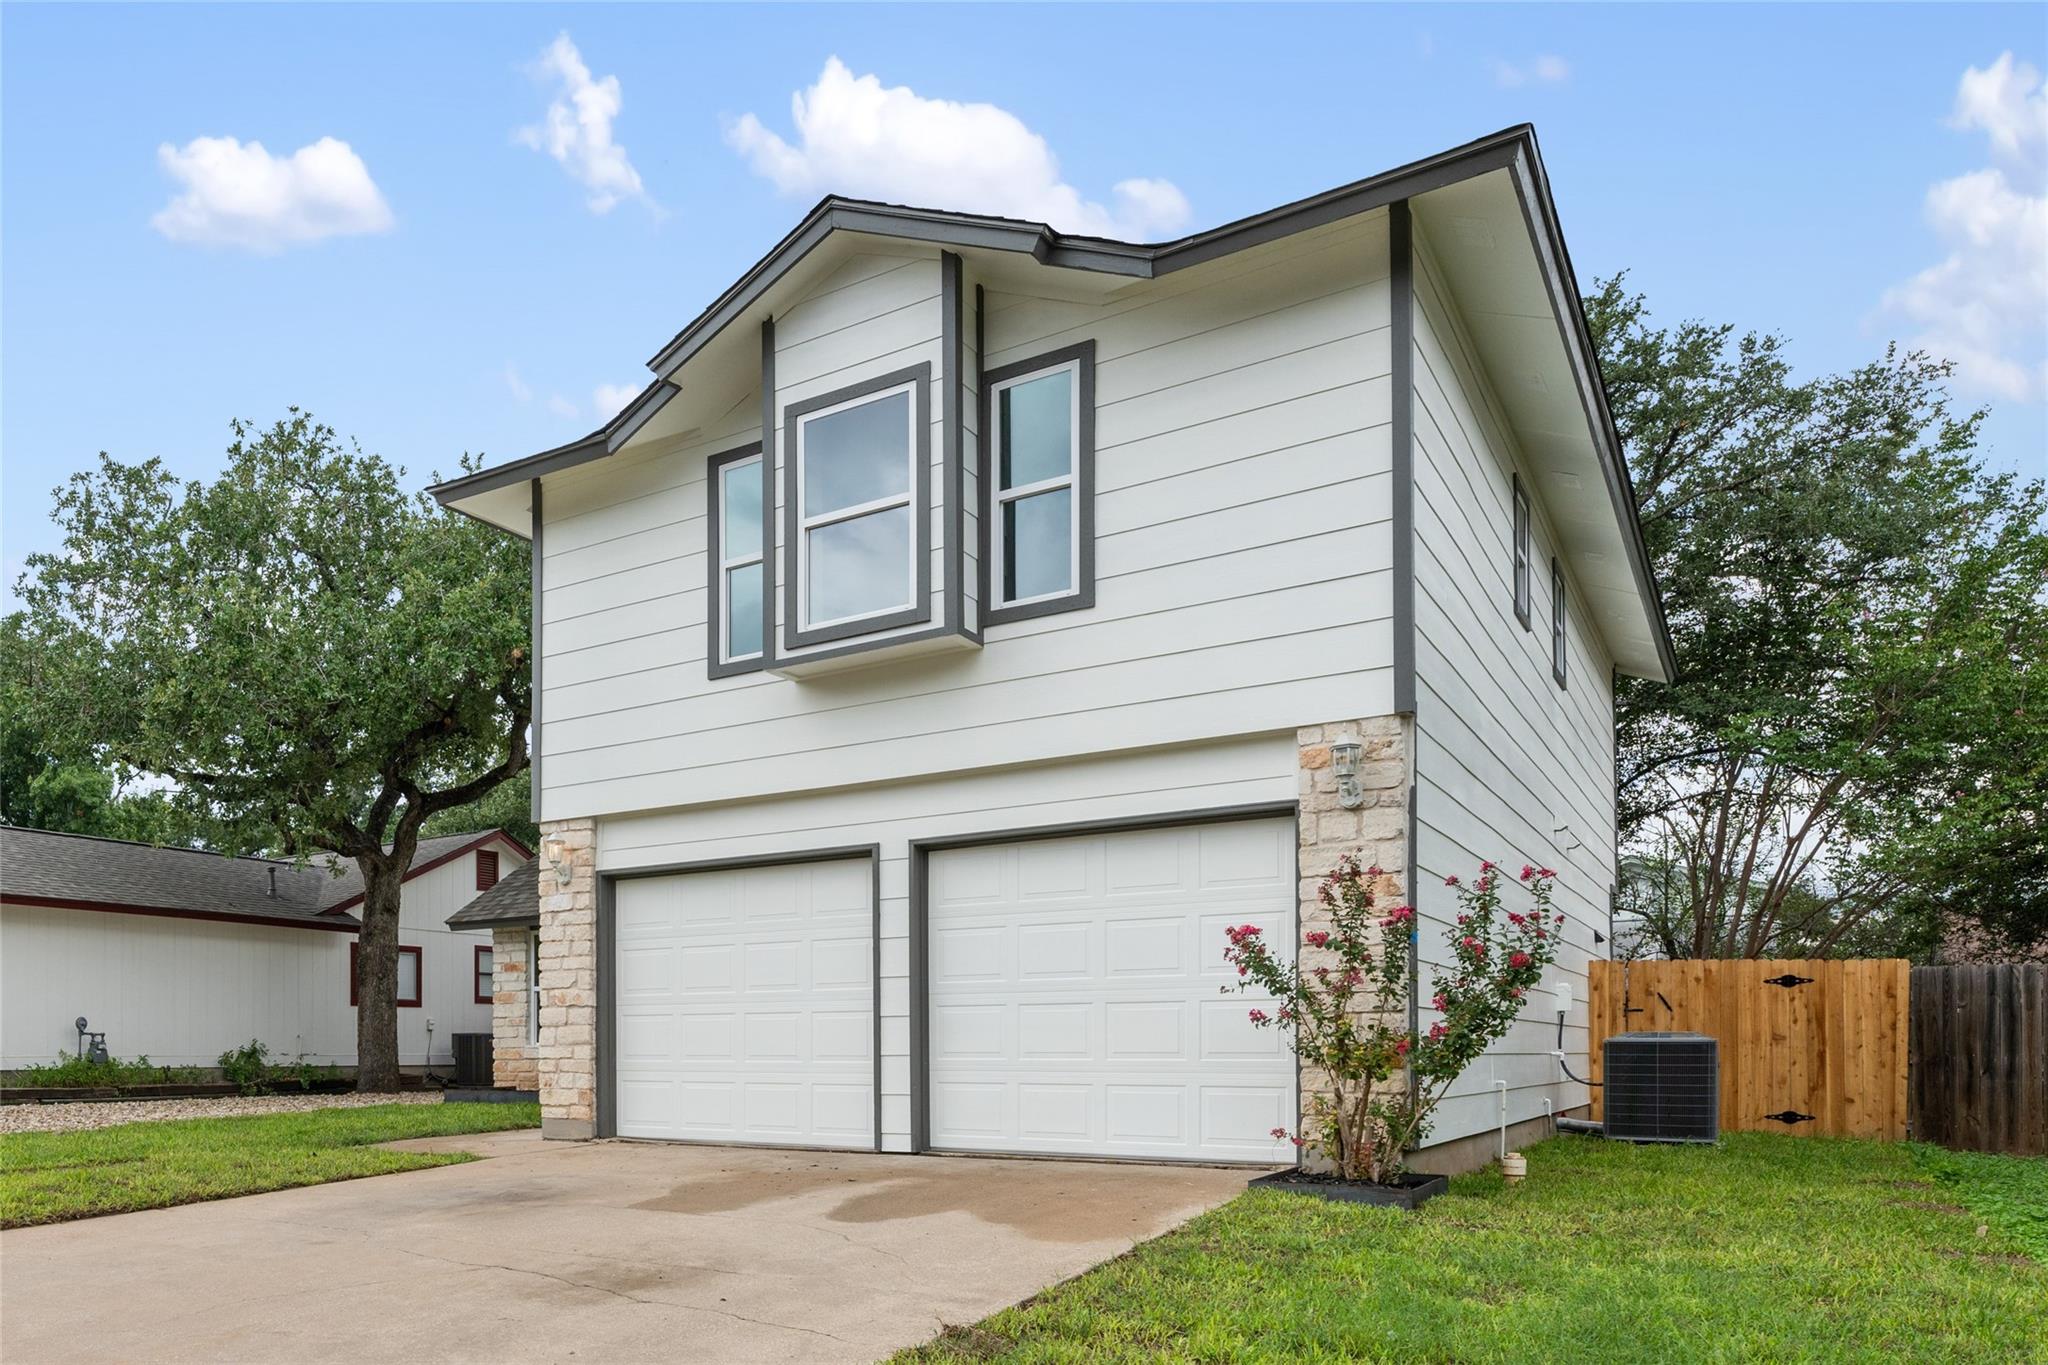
[578, 130]
[1984, 305]
[609, 400]
[520, 392]
[1544, 69]
[238, 194]
[855, 136]
[560, 406]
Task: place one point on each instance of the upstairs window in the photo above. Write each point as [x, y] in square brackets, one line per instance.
[1521, 553]
[486, 869]
[737, 591]
[1039, 470]
[859, 523]
[1557, 640]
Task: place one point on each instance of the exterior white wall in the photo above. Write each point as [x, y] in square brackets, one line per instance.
[1243, 547]
[1240, 771]
[182, 991]
[1503, 755]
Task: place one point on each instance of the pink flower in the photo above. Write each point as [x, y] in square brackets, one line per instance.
[1400, 1047]
[1486, 866]
[1464, 919]
[1257, 1016]
[1373, 871]
[1436, 1002]
[1438, 1029]
[1317, 938]
[1279, 1132]
[1546, 874]
[1519, 960]
[1527, 871]
[1514, 918]
[1477, 948]
[1286, 1016]
[1451, 880]
[1539, 933]
[1516, 992]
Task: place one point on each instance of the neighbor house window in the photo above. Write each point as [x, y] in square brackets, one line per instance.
[533, 987]
[408, 976]
[1521, 553]
[486, 869]
[1039, 473]
[1557, 621]
[483, 974]
[859, 524]
[738, 587]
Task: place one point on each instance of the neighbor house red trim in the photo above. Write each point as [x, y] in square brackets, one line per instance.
[346, 924]
[476, 974]
[419, 977]
[442, 861]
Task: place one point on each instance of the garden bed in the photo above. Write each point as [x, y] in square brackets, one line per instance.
[68, 1094]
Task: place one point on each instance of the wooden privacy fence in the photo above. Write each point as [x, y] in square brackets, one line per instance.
[1806, 1047]
[1980, 1058]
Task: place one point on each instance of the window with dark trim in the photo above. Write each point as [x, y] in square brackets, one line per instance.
[857, 518]
[486, 868]
[409, 975]
[1557, 637]
[482, 969]
[736, 534]
[1037, 465]
[1522, 558]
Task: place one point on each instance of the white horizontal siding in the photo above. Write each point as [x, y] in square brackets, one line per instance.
[1503, 755]
[1238, 772]
[1243, 548]
[182, 991]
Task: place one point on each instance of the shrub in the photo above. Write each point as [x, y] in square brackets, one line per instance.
[248, 1067]
[1346, 1012]
[70, 1070]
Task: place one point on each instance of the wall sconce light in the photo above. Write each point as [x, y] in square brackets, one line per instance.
[1344, 757]
[557, 854]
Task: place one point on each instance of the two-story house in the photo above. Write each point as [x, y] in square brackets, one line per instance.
[970, 620]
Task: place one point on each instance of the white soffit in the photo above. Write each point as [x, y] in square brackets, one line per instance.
[1476, 234]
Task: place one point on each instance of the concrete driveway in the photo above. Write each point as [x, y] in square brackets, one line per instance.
[607, 1251]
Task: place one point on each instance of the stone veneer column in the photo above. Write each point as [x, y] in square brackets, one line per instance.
[515, 1062]
[567, 1065]
[1377, 832]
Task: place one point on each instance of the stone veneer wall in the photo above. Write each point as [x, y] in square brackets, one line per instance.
[515, 1061]
[566, 1069]
[1377, 831]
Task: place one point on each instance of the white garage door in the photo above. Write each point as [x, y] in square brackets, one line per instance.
[745, 1008]
[1075, 995]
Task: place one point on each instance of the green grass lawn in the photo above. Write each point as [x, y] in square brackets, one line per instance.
[51, 1177]
[1765, 1248]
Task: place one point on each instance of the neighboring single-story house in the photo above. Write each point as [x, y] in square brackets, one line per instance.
[178, 954]
[970, 620]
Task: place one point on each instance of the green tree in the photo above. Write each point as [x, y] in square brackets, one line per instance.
[1858, 609]
[508, 807]
[317, 660]
[42, 789]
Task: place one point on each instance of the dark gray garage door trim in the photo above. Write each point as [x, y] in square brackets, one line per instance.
[920, 866]
[607, 935]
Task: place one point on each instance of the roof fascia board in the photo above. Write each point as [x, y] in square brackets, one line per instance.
[580, 451]
[635, 414]
[1532, 194]
[324, 920]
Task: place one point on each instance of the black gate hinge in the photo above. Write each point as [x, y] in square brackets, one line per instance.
[1790, 1117]
[1788, 981]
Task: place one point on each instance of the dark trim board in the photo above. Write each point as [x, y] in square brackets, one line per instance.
[607, 1073]
[794, 635]
[1401, 252]
[329, 920]
[920, 915]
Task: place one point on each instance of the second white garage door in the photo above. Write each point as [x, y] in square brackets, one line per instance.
[745, 1005]
[1075, 990]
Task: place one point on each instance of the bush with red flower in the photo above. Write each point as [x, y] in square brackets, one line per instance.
[1345, 1007]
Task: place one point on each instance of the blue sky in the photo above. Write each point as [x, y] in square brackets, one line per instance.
[447, 281]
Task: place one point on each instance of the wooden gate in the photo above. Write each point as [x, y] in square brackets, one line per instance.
[1809, 1047]
[1980, 1058]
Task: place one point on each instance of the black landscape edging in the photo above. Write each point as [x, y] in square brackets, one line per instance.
[67, 1094]
[1409, 1193]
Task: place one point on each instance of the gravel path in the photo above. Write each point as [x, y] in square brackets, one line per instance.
[57, 1118]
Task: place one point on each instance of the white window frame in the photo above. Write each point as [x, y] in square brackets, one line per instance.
[727, 563]
[1000, 497]
[805, 523]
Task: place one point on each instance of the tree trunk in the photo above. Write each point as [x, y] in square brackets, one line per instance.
[377, 977]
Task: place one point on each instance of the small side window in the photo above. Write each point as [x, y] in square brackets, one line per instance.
[736, 593]
[1557, 638]
[1521, 553]
[1039, 470]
